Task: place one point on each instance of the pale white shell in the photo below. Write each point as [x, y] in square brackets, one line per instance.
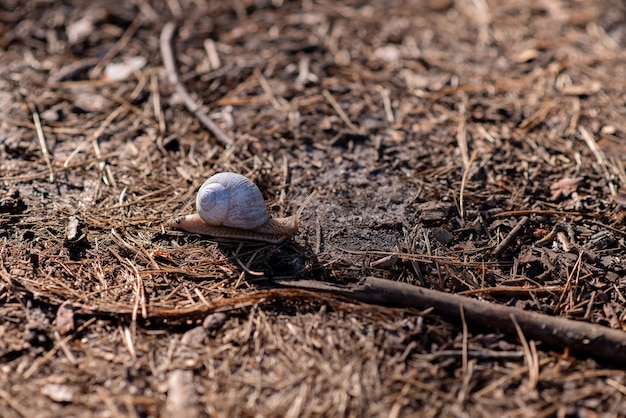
[231, 199]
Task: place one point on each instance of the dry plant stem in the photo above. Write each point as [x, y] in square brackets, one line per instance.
[461, 138]
[464, 181]
[530, 354]
[510, 237]
[587, 339]
[465, 333]
[600, 157]
[42, 140]
[120, 44]
[514, 291]
[192, 106]
[9, 399]
[93, 138]
[524, 212]
[45, 358]
[340, 112]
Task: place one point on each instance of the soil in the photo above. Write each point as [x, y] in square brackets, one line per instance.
[470, 147]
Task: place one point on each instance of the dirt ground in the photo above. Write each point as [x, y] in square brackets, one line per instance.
[472, 147]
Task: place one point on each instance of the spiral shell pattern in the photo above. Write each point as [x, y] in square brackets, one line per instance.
[232, 200]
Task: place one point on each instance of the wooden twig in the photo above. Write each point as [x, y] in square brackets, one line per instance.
[384, 93]
[504, 244]
[461, 139]
[46, 357]
[584, 338]
[42, 139]
[119, 45]
[524, 212]
[14, 404]
[211, 51]
[190, 104]
[470, 161]
[514, 291]
[340, 112]
[93, 138]
[530, 354]
[465, 337]
[600, 157]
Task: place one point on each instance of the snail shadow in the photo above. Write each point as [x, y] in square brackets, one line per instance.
[288, 260]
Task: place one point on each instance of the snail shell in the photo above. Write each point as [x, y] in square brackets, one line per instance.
[230, 206]
[231, 199]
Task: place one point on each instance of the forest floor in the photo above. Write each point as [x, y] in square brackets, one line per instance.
[467, 147]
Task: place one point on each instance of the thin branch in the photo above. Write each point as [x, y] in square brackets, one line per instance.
[13, 403]
[42, 139]
[461, 139]
[340, 112]
[46, 357]
[119, 45]
[509, 238]
[464, 181]
[93, 138]
[530, 354]
[190, 104]
[465, 337]
[600, 157]
[584, 338]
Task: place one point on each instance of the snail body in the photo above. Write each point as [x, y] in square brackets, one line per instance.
[231, 206]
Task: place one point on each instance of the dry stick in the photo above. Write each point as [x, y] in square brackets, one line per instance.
[514, 291]
[464, 346]
[464, 180]
[211, 51]
[384, 93]
[616, 385]
[42, 139]
[502, 381]
[523, 212]
[530, 354]
[156, 103]
[121, 43]
[69, 69]
[267, 89]
[95, 135]
[461, 139]
[600, 157]
[112, 409]
[509, 238]
[535, 119]
[9, 399]
[340, 112]
[140, 297]
[190, 104]
[579, 337]
[42, 360]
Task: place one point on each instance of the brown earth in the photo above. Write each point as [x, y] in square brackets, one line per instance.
[428, 129]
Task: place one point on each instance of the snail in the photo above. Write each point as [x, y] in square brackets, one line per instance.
[229, 205]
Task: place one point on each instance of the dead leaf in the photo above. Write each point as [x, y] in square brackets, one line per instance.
[564, 187]
[117, 71]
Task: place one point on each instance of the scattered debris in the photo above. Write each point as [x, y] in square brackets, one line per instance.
[64, 322]
[117, 71]
[564, 187]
